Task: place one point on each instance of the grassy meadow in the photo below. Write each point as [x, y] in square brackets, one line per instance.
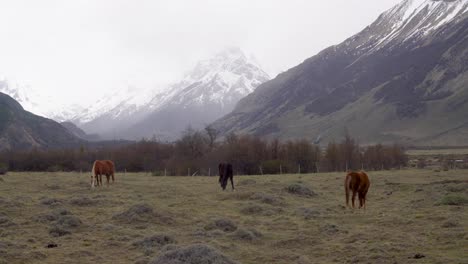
[412, 216]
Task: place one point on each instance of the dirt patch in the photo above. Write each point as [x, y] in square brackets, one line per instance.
[225, 225]
[142, 213]
[300, 189]
[194, 254]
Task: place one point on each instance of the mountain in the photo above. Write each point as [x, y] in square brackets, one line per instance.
[38, 103]
[78, 132]
[404, 78]
[20, 129]
[206, 93]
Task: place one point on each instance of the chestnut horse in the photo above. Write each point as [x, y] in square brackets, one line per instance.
[358, 182]
[225, 173]
[102, 167]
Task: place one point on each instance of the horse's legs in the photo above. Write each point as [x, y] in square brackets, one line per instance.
[107, 178]
[361, 199]
[112, 177]
[100, 179]
[232, 183]
[353, 198]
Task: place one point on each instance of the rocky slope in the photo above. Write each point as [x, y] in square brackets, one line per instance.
[403, 78]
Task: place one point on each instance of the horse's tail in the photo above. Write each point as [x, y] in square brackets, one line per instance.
[346, 186]
[93, 174]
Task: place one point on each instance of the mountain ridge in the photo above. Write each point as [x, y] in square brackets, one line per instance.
[385, 68]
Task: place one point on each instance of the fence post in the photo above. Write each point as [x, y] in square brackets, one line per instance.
[281, 170]
[299, 168]
[209, 171]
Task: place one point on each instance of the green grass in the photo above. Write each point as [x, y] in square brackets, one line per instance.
[402, 218]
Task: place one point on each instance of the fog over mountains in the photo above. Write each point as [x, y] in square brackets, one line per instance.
[401, 79]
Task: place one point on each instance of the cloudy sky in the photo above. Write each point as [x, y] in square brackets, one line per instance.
[74, 48]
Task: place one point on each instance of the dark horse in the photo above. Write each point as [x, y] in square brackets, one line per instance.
[225, 173]
[102, 167]
[358, 182]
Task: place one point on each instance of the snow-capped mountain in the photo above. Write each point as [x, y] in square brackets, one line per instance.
[222, 80]
[207, 92]
[402, 78]
[405, 24]
[39, 103]
[29, 99]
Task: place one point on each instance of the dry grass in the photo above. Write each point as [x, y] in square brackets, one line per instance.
[140, 218]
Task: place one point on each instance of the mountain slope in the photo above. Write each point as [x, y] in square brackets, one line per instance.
[206, 93]
[20, 129]
[403, 78]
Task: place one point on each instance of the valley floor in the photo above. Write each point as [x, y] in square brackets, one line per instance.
[410, 213]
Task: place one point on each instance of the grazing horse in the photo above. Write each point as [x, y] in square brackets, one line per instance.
[358, 182]
[102, 167]
[225, 173]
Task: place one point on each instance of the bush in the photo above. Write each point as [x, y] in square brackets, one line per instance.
[3, 168]
[453, 199]
[158, 240]
[55, 168]
[142, 213]
[195, 254]
[225, 225]
[299, 189]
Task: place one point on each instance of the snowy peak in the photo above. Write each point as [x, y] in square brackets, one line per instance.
[29, 99]
[413, 19]
[223, 79]
[406, 23]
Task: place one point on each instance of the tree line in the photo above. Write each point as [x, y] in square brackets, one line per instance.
[198, 152]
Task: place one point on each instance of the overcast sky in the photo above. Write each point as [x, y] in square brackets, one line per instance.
[73, 48]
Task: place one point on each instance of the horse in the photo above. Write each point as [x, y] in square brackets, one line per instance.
[225, 173]
[102, 167]
[359, 183]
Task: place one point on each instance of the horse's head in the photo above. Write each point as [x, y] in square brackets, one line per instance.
[223, 182]
[93, 180]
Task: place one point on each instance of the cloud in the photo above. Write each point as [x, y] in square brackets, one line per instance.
[74, 48]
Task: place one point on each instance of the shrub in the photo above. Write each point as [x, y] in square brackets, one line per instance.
[299, 189]
[453, 199]
[195, 254]
[158, 240]
[3, 168]
[225, 225]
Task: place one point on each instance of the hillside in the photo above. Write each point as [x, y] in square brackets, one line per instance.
[20, 129]
[404, 78]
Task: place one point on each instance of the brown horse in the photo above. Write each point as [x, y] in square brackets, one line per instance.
[359, 183]
[102, 167]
